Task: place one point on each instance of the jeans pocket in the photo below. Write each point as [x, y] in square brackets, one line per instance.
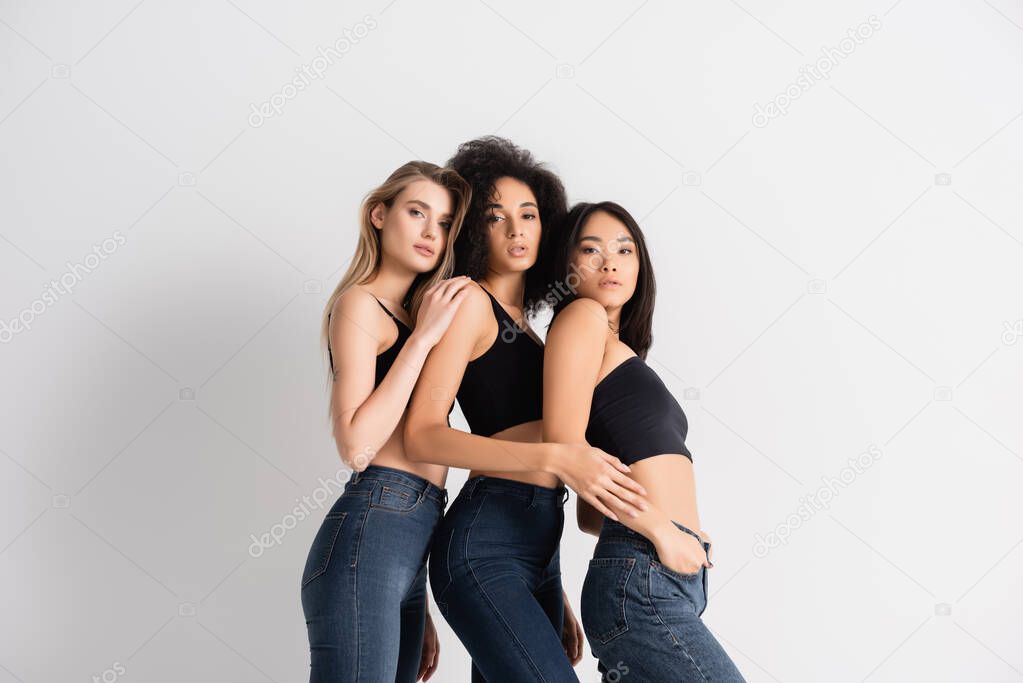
[676, 592]
[602, 605]
[394, 498]
[657, 566]
[318, 559]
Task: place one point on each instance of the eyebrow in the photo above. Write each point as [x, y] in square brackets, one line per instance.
[493, 205]
[425, 206]
[594, 238]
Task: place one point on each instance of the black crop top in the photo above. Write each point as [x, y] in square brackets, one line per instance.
[634, 416]
[503, 387]
[385, 359]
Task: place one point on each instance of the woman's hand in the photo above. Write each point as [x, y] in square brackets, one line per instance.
[438, 308]
[571, 634]
[599, 479]
[681, 552]
[431, 651]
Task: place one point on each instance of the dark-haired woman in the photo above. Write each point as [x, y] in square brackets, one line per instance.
[364, 582]
[494, 564]
[646, 586]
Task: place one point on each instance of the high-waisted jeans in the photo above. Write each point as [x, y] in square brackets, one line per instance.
[642, 620]
[364, 583]
[495, 574]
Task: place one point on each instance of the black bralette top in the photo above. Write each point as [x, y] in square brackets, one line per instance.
[503, 387]
[634, 416]
[385, 359]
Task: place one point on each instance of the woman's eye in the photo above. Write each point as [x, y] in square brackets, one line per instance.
[625, 250]
[589, 250]
[493, 218]
[446, 225]
[529, 216]
[416, 212]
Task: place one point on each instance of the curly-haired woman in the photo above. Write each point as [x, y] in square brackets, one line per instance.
[494, 564]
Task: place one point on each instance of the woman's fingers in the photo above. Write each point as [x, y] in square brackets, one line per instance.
[458, 296]
[434, 662]
[634, 500]
[578, 642]
[445, 287]
[429, 665]
[629, 483]
[619, 500]
[455, 287]
[599, 506]
[615, 462]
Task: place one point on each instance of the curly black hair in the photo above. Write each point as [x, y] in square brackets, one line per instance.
[482, 162]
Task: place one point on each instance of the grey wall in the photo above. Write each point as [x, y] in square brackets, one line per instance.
[839, 267]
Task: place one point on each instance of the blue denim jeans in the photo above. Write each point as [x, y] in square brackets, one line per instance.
[364, 583]
[642, 620]
[495, 573]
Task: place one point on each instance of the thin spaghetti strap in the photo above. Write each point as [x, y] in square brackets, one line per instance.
[499, 311]
[398, 321]
[494, 302]
[386, 310]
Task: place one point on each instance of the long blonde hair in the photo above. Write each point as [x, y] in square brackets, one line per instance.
[368, 253]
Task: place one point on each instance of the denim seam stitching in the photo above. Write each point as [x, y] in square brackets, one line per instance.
[500, 618]
[442, 604]
[678, 643]
[479, 586]
[330, 552]
[630, 563]
[661, 568]
[378, 506]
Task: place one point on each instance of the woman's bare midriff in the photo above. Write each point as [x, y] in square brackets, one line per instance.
[392, 454]
[527, 432]
[670, 485]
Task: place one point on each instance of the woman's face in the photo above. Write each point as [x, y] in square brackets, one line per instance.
[414, 229]
[604, 263]
[514, 227]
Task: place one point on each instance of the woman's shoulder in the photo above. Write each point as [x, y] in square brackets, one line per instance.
[475, 311]
[354, 303]
[583, 312]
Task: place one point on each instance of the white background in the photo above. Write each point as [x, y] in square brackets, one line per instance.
[823, 288]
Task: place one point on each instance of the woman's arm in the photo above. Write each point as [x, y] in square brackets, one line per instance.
[573, 355]
[364, 418]
[428, 438]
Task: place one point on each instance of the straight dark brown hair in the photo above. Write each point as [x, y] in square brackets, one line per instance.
[636, 324]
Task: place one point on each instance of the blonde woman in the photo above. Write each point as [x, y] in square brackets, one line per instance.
[364, 583]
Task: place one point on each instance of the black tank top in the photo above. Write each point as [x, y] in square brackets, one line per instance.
[634, 416]
[503, 387]
[385, 359]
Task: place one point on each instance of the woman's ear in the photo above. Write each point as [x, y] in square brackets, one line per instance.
[377, 215]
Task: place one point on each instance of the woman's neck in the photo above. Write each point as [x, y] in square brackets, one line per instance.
[391, 282]
[509, 289]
